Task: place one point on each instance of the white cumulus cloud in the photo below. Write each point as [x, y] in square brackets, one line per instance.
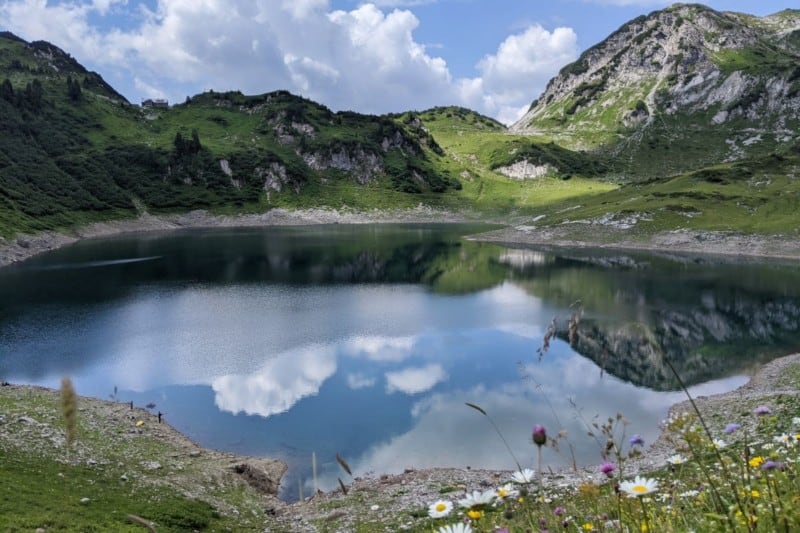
[519, 70]
[364, 59]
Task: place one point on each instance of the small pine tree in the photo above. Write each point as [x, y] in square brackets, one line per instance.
[180, 144]
[195, 145]
[7, 91]
[73, 89]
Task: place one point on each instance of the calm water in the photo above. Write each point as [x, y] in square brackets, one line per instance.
[368, 340]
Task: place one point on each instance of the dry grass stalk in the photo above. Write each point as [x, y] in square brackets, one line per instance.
[69, 409]
[343, 464]
[142, 522]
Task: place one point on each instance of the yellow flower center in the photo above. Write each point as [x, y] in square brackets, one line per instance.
[440, 507]
[474, 514]
[641, 489]
[502, 493]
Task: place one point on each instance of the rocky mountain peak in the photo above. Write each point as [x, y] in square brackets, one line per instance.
[687, 59]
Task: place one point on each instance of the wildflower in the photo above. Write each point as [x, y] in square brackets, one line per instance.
[558, 511]
[718, 444]
[539, 435]
[639, 486]
[607, 468]
[139, 423]
[769, 464]
[526, 475]
[689, 493]
[756, 461]
[762, 410]
[783, 439]
[456, 528]
[477, 498]
[755, 494]
[636, 440]
[440, 509]
[730, 428]
[474, 514]
[507, 491]
[676, 459]
[587, 527]
[796, 421]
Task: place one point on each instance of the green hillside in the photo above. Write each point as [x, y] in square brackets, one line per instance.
[73, 150]
[656, 128]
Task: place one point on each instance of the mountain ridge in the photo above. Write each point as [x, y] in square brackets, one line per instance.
[684, 66]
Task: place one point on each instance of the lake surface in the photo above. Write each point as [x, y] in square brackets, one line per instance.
[367, 341]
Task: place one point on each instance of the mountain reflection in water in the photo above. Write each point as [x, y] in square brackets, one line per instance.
[368, 340]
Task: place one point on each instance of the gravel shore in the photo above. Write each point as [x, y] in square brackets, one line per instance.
[727, 244]
[675, 241]
[23, 247]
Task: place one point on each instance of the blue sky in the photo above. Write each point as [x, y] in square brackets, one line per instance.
[494, 56]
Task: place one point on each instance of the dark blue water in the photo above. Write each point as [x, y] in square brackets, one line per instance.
[367, 341]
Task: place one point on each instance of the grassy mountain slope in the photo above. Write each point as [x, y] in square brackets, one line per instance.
[480, 150]
[74, 150]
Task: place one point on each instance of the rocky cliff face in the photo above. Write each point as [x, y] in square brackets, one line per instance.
[681, 71]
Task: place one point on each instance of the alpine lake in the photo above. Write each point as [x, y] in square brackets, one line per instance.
[368, 341]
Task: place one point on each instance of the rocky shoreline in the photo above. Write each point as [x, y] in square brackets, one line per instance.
[22, 247]
[681, 241]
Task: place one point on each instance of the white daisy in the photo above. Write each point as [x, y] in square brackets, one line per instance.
[440, 509]
[507, 491]
[525, 475]
[477, 498]
[639, 486]
[456, 528]
[689, 493]
[796, 421]
[718, 443]
[784, 439]
[676, 459]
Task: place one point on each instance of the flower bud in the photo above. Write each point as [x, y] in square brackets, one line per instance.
[539, 435]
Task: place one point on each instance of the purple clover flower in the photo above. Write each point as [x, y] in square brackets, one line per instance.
[762, 410]
[769, 464]
[558, 511]
[730, 428]
[607, 468]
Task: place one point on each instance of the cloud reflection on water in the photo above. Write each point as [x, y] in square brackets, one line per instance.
[281, 382]
[415, 380]
[563, 391]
